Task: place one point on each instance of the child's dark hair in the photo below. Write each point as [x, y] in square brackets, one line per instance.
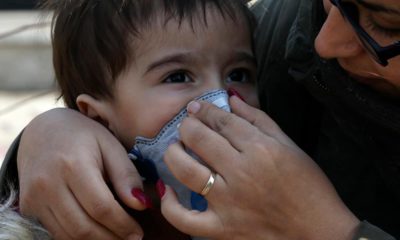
[92, 39]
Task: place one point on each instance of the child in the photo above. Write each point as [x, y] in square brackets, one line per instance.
[133, 65]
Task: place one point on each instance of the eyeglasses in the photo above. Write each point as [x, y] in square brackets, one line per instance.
[349, 11]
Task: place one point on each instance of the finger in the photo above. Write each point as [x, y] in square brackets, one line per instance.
[189, 171]
[257, 118]
[191, 222]
[97, 200]
[37, 208]
[52, 226]
[75, 222]
[202, 141]
[236, 130]
[121, 171]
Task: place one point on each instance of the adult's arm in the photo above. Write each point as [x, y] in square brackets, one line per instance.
[266, 187]
[284, 46]
[66, 163]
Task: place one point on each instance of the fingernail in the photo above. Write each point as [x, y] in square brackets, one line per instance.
[135, 237]
[233, 92]
[193, 107]
[160, 188]
[139, 195]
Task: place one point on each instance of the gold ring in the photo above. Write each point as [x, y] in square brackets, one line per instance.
[209, 184]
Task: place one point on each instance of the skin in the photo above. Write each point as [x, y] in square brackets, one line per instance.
[349, 52]
[63, 205]
[173, 64]
[289, 181]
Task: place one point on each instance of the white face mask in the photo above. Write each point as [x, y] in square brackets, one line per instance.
[147, 154]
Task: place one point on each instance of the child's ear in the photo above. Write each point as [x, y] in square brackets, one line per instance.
[94, 108]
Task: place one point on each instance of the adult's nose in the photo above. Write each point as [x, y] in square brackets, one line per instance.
[337, 39]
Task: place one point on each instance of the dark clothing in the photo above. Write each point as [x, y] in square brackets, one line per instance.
[351, 131]
[8, 171]
[18, 4]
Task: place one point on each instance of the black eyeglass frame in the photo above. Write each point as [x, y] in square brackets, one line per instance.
[379, 53]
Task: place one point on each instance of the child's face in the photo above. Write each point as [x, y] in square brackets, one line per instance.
[174, 64]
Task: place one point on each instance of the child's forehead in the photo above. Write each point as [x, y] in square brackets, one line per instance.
[219, 43]
[198, 16]
[164, 27]
[189, 32]
[199, 20]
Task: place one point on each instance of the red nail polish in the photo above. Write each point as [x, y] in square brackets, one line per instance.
[139, 195]
[233, 92]
[160, 188]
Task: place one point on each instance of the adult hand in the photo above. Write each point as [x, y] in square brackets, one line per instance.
[65, 161]
[266, 187]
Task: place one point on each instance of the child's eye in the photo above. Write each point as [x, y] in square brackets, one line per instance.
[239, 75]
[177, 77]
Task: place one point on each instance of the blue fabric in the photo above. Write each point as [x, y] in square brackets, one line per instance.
[198, 202]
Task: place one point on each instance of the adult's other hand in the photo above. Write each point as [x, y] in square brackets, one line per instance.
[65, 161]
[266, 187]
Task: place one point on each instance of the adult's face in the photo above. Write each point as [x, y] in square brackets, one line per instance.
[337, 39]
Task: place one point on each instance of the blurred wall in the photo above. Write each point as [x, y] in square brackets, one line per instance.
[25, 51]
[26, 71]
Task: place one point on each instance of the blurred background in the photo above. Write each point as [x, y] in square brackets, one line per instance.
[27, 86]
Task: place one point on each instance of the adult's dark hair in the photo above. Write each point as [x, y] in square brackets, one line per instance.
[92, 39]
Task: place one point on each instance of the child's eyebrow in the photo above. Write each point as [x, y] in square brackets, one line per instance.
[240, 56]
[173, 58]
[245, 57]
